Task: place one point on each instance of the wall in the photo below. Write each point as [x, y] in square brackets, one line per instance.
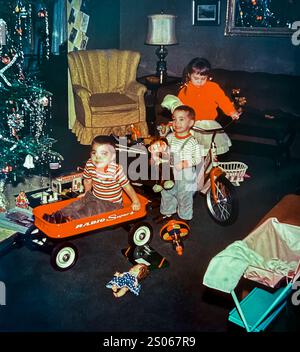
[274, 55]
[104, 24]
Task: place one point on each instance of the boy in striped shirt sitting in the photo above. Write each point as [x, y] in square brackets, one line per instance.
[185, 156]
[104, 182]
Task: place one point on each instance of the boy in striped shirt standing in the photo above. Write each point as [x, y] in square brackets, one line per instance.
[104, 182]
[185, 156]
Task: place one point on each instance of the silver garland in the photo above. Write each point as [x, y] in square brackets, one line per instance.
[3, 199]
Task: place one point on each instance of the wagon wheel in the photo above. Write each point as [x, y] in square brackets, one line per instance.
[173, 228]
[64, 256]
[140, 234]
[34, 236]
[20, 238]
[32, 231]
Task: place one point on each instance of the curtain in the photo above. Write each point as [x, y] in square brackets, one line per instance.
[59, 33]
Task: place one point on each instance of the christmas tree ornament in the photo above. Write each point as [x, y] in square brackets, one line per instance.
[28, 164]
[5, 59]
[15, 121]
[54, 163]
[41, 13]
[23, 12]
[22, 200]
[44, 101]
[6, 169]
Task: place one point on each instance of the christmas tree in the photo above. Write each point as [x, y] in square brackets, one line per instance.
[25, 106]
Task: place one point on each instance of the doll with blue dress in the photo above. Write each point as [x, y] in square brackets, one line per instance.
[121, 283]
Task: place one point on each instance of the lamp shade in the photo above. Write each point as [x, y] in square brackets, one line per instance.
[161, 30]
[2, 32]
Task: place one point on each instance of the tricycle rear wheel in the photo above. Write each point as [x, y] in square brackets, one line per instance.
[64, 256]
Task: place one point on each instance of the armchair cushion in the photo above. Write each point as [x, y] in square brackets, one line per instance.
[111, 102]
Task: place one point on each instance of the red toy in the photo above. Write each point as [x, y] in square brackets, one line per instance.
[53, 236]
[22, 200]
[175, 232]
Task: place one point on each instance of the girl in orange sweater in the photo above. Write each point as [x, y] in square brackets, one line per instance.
[205, 97]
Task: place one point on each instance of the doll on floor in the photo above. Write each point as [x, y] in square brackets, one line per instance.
[121, 283]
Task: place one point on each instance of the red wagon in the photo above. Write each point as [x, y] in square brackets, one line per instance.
[55, 238]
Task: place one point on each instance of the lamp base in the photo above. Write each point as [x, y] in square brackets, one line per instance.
[161, 66]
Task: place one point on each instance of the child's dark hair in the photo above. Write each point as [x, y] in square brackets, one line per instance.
[197, 65]
[103, 140]
[188, 109]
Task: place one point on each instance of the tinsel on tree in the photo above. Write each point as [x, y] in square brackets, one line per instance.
[25, 106]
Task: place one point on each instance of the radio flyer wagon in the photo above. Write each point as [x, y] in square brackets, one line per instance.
[270, 257]
[55, 238]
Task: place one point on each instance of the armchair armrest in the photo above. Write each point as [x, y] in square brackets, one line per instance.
[82, 105]
[135, 88]
[82, 92]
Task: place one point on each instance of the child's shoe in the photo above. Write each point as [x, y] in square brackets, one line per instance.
[60, 218]
[162, 218]
[50, 218]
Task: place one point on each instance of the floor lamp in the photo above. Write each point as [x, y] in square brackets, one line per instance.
[161, 32]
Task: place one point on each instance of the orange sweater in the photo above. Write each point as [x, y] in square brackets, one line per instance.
[205, 100]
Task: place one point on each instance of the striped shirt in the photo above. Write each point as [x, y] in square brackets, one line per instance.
[186, 148]
[106, 185]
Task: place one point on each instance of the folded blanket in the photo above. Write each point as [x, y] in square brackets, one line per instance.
[226, 268]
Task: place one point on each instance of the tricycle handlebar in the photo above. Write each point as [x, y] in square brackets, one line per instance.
[210, 131]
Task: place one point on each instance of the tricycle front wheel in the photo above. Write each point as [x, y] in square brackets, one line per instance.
[64, 256]
[225, 209]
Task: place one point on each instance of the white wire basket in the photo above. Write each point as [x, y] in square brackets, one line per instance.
[234, 171]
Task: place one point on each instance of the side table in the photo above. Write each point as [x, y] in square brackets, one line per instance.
[254, 132]
[152, 83]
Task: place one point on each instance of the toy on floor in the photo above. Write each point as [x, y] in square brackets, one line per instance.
[139, 250]
[121, 283]
[135, 135]
[22, 201]
[175, 231]
[160, 159]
